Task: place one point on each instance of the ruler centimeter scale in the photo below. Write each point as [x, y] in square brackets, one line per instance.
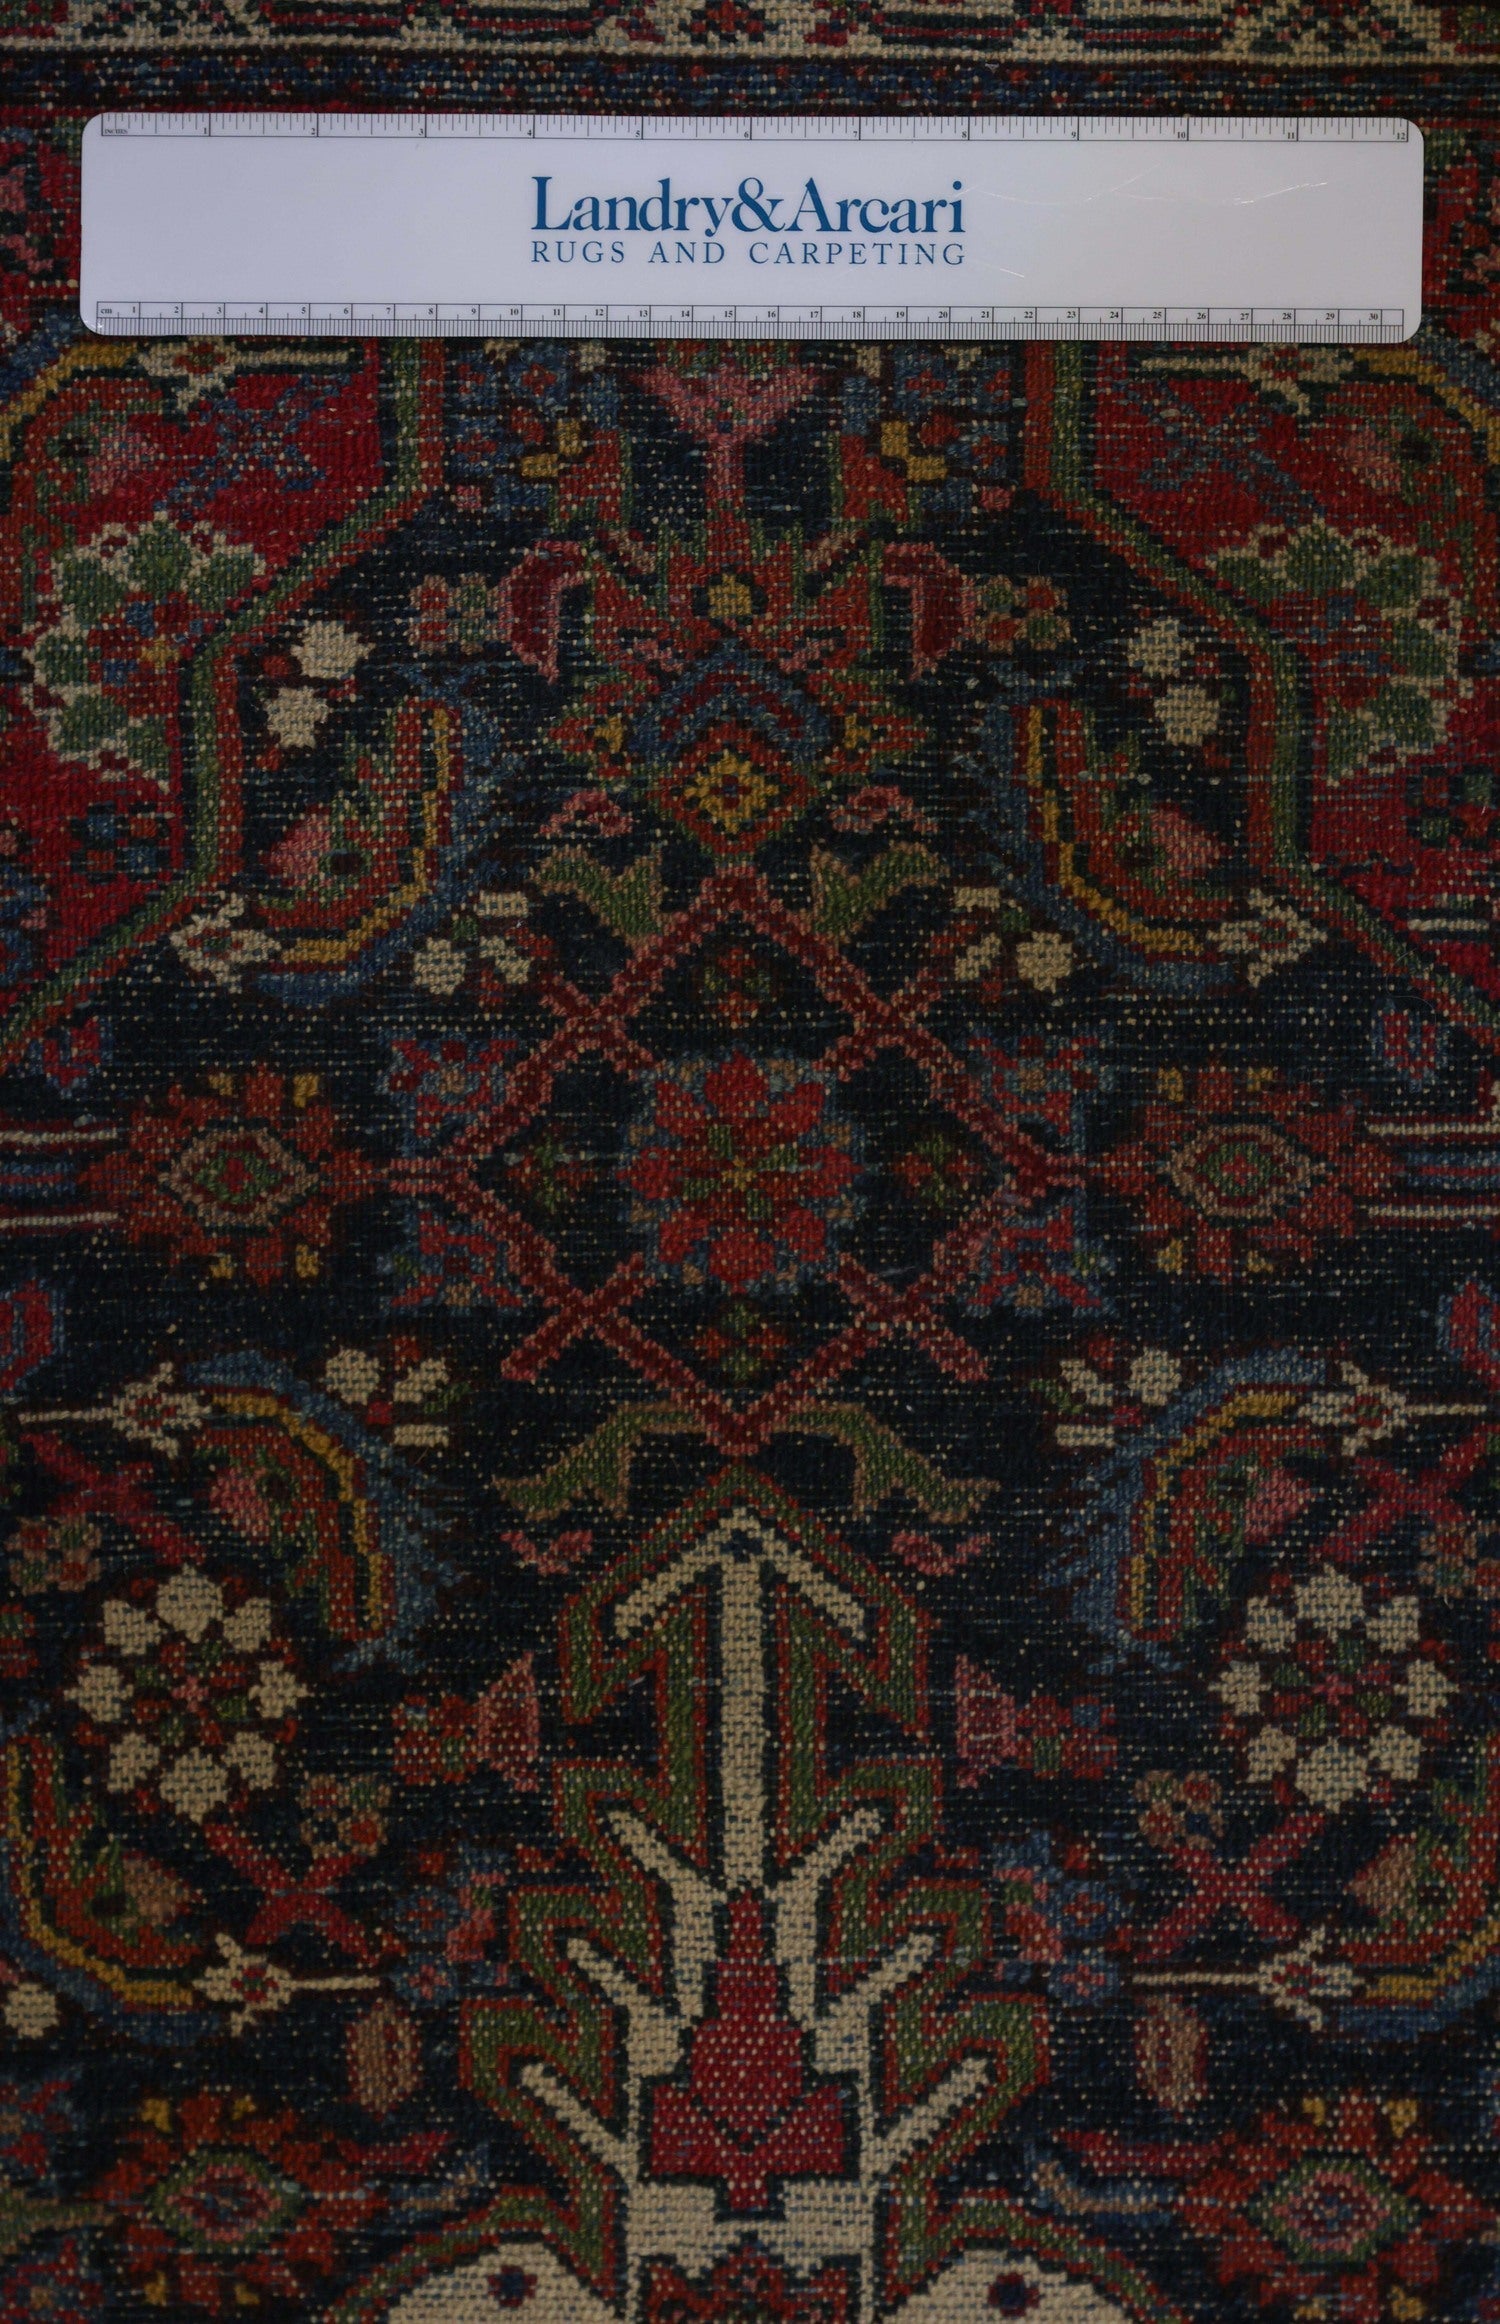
[1149, 227]
[1309, 326]
[787, 128]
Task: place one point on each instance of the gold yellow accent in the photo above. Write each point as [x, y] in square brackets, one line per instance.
[709, 791]
[89, 358]
[730, 598]
[325, 951]
[1099, 907]
[921, 467]
[1252, 1404]
[343, 1467]
[43, 1764]
[1406, 362]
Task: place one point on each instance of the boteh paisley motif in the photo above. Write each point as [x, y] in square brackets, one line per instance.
[749, 1310]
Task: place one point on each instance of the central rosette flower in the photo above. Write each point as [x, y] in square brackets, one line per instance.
[739, 1174]
[1332, 1691]
[190, 1694]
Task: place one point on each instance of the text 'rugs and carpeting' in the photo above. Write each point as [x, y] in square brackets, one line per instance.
[749, 1289]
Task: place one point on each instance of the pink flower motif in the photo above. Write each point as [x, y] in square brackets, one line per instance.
[926, 1554]
[300, 852]
[236, 1497]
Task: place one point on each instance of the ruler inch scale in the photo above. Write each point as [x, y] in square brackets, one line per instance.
[1196, 229]
[1105, 128]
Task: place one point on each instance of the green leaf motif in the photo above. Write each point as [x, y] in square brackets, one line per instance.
[843, 900]
[628, 902]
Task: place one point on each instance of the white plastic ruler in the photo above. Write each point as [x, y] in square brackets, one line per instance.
[1000, 226]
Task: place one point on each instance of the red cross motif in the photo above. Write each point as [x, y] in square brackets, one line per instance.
[1242, 1888]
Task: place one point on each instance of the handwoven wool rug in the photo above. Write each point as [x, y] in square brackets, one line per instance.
[749, 1313]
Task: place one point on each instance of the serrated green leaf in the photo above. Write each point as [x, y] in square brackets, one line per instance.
[884, 1465]
[629, 902]
[844, 900]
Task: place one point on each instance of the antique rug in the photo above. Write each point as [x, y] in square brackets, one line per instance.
[749, 1309]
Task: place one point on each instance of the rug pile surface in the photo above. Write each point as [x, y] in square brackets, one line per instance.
[749, 1307]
